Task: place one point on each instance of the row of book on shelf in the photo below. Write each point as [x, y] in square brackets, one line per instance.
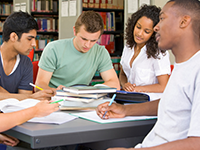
[43, 40]
[44, 24]
[47, 24]
[108, 41]
[108, 20]
[6, 8]
[105, 4]
[44, 6]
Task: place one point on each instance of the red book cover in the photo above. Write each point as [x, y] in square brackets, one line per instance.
[104, 17]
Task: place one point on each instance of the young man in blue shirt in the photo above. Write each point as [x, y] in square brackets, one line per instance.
[16, 73]
[16, 70]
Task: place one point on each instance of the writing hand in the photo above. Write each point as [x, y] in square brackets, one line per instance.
[113, 111]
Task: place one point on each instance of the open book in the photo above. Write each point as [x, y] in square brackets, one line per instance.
[92, 116]
[11, 105]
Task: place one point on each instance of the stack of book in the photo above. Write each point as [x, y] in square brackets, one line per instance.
[83, 97]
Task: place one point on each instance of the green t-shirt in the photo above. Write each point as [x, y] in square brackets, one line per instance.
[69, 66]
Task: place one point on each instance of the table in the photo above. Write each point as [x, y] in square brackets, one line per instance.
[78, 131]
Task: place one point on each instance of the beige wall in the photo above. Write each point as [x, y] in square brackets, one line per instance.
[159, 3]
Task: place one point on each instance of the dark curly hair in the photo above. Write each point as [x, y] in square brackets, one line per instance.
[151, 12]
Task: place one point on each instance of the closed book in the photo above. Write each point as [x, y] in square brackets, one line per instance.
[78, 105]
[94, 95]
[89, 89]
[44, 24]
[74, 99]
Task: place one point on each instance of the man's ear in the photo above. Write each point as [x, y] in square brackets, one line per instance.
[13, 37]
[74, 30]
[185, 21]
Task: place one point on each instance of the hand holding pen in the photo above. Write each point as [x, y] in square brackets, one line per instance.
[115, 110]
[43, 94]
[111, 101]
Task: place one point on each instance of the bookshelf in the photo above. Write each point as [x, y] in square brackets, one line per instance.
[45, 13]
[6, 8]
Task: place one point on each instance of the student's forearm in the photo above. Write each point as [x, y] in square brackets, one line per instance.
[113, 83]
[122, 78]
[15, 118]
[192, 143]
[42, 85]
[17, 96]
[153, 88]
[2, 90]
[142, 109]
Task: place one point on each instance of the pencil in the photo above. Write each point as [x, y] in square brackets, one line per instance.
[57, 101]
[36, 86]
[111, 101]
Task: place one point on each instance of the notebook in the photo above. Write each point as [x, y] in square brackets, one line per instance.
[92, 116]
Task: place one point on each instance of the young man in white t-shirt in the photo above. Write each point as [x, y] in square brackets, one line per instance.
[178, 110]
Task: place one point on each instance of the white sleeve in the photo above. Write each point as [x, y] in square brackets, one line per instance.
[162, 65]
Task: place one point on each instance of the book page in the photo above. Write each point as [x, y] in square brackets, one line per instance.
[7, 102]
[92, 116]
[11, 104]
[54, 118]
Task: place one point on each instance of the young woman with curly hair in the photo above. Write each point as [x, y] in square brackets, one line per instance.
[144, 67]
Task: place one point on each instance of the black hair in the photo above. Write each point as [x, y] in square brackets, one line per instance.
[151, 12]
[18, 22]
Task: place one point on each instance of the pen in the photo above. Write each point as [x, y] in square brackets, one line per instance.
[57, 101]
[36, 86]
[111, 101]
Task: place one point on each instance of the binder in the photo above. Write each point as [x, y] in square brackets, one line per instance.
[130, 97]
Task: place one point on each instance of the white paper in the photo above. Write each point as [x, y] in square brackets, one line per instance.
[54, 118]
[72, 8]
[64, 12]
[17, 7]
[92, 116]
[141, 2]
[11, 105]
[132, 6]
[23, 7]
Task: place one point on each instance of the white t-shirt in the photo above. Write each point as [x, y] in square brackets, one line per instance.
[144, 71]
[179, 107]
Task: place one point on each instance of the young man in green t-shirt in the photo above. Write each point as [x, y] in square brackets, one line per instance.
[74, 61]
